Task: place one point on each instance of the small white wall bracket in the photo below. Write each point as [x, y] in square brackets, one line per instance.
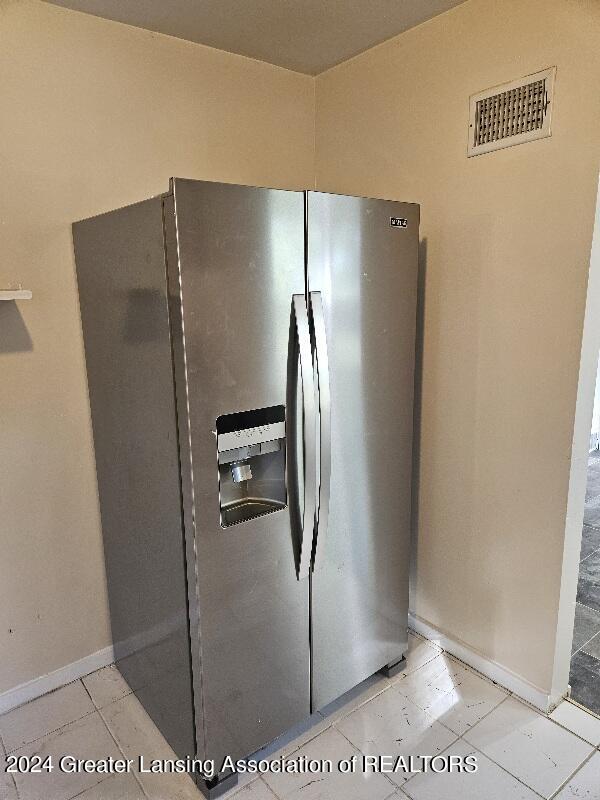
[15, 294]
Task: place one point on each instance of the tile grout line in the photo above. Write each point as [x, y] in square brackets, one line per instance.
[87, 691]
[581, 650]
[574, 653]
[263, 781]
[96, 711]
[459, 737]
[481, 753]
[470, 728]
[585, 741]
[594, 658]
[589, 608]
[333, 722]
[10, 775]
[596, 551]
[572, 775]
[358, 750]
[110, 733]
[83, 791]
[560, 725]
[586, 710]
[49, 733]
[444, 725]
[395, 785]
[515, 776]
[595, 636]
[93, 786]
[519, 780]
[597, 633]
[119, 748]
[504, 769]
[584, 605]
[307, 741]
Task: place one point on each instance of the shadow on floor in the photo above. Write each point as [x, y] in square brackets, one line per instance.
[585, 658]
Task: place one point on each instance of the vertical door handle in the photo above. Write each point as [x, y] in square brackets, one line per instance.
[324, 415]
[300, 352]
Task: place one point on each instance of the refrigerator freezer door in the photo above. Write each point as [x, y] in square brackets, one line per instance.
[240, 258]
[365, 268]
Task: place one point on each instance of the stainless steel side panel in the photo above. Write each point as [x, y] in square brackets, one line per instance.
[240, 259]
[123, 299]
[366, 271]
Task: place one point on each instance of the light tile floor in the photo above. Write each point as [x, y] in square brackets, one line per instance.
[436, 706]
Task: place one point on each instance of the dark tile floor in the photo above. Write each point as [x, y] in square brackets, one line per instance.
[585, 659]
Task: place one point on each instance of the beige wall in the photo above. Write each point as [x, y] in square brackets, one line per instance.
[506, 244]
[94, 115]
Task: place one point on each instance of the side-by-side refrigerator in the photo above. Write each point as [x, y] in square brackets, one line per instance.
[250, 357]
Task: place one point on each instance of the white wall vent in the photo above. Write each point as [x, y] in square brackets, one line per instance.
[511, 114]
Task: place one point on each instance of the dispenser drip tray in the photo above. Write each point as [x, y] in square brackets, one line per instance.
[248, 508]
[251, 456]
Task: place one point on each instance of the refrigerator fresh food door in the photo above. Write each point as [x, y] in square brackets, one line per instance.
[239, 260]
[362, 279]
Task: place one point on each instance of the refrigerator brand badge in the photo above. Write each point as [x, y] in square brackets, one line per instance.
[398, 222]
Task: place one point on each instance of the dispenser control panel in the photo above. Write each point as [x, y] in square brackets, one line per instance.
[260, 439]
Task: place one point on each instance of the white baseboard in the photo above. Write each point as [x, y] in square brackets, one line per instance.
[77, 669]
[54, 680]
[491, 669]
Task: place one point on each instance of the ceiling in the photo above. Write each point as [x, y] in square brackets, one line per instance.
[303, 35]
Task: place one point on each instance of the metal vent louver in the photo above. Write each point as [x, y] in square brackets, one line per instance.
[511, 114]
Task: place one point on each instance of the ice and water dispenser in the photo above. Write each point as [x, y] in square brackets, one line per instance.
[251, 452]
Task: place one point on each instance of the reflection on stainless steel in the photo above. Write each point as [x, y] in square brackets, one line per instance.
[253, 444]
[241, 472]
[324, 413]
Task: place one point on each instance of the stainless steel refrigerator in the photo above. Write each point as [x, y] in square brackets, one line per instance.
[250, 358]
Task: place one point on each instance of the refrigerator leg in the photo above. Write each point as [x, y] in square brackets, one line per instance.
[217, 786]
[392, 669]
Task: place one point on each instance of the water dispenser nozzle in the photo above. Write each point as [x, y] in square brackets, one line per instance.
[241, 472]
